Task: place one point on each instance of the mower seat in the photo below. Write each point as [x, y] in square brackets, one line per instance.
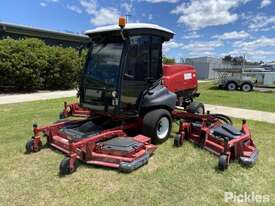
[226, 131]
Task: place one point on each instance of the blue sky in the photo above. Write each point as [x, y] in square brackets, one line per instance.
[202, 27]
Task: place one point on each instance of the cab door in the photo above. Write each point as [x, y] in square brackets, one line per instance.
[143, 66]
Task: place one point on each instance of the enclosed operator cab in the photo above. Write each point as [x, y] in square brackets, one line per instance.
[122, 65]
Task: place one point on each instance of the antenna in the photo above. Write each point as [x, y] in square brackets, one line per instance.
[127, 17]
[243, 66]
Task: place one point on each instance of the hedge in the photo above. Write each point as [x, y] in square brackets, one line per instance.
[30, 64]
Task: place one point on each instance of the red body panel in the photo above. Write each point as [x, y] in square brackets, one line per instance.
[179, 77]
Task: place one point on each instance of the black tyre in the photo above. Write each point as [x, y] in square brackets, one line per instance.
[157, 124]
[223, 162]
[178, 141]
[64, 167]
[231, 86]
[29, 146]
[195, 108]
[246, 87]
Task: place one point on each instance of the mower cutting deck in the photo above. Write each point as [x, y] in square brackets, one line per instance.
[97, 140]
[215, 133]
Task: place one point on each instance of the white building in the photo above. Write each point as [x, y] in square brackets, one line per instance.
[205, 66]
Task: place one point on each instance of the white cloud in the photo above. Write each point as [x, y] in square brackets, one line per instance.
[192, 35]
[203, 46]
[127, 7]
[198, 48]
[102, 16]
[255, 44]
[89, 6]
[265, 3]
[43, 4]
[252, 55]
[105, 16]
[167, 46]
[262, 48]
[232, 35]
[74, 8]
[203, 13]
[259, 22]
[161, 1]
[150, 16]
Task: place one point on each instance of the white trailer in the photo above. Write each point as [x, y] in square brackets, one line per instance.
[244, 79]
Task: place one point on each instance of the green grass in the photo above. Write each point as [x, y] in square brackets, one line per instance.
[174, 176]
[210, 94]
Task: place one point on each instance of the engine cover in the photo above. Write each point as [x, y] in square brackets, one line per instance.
[180, 77]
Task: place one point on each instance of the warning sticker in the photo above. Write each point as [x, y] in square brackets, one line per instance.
[187, 76]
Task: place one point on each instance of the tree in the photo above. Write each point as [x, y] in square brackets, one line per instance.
[168, 60]
[227, 58]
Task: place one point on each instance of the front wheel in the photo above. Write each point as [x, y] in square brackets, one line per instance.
[31, 147]
[179, 138]
[231, 86]
[157, 124]
[223, 162]
[67, 167]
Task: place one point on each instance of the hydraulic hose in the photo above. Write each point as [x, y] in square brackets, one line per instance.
[223, 118]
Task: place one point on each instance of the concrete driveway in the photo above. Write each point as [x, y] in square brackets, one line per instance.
[230, 111]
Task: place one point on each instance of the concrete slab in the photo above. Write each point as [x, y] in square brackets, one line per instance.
[230, 111]
[17, 98]
[242, 113]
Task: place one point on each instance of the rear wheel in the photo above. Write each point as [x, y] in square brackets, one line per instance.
[195, 108]
[231, 86]
[157, 124]
[246, 87]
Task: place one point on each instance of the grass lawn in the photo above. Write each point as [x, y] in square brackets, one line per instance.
[174, 176]
[210, 94]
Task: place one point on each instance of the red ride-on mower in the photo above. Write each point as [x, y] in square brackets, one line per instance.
[215, 133]
[126, 100]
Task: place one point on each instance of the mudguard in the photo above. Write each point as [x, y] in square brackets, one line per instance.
[158, 96]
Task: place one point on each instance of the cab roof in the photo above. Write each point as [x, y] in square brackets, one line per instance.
[132, 29]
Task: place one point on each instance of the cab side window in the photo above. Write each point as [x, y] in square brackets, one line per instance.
[144, 58]
[156, 57]
[138, 64]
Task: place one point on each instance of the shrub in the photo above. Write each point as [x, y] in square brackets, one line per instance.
[30, 64]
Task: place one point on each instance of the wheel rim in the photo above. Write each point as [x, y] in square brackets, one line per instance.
[231, 86]
[163, 127]
[246, 87]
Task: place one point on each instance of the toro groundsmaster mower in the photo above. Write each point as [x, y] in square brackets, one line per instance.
[127, 100]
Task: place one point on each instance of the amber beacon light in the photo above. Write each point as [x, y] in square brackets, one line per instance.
[122, 21]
